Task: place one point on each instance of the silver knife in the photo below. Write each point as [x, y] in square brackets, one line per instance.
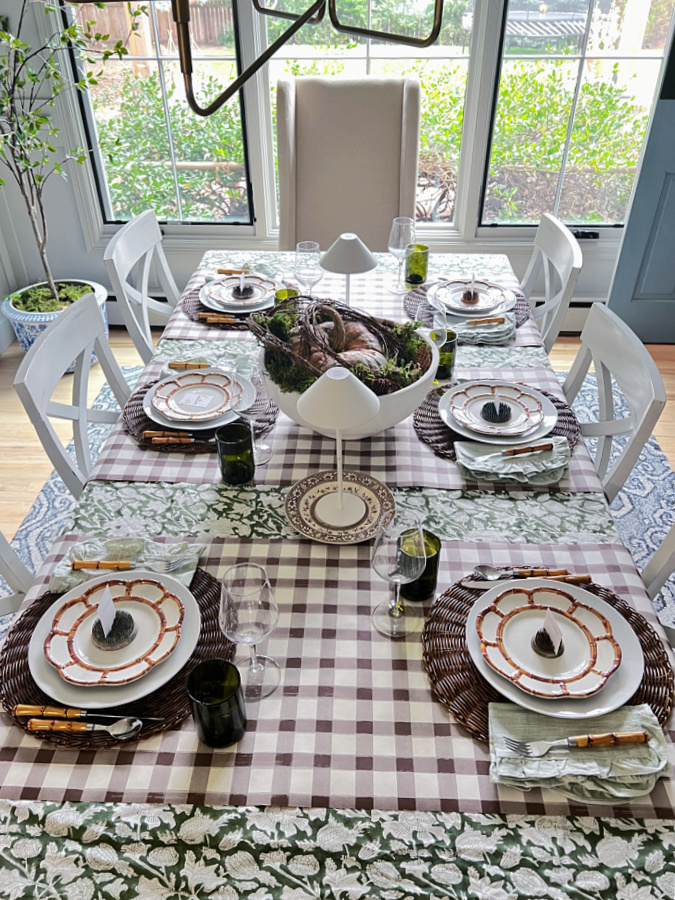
[479, 585]
[508, 452]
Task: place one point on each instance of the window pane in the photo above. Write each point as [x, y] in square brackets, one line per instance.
[155, 152]
[319, 50]
[570, 123]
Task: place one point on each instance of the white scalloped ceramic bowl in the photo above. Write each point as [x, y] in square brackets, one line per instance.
[394, 408]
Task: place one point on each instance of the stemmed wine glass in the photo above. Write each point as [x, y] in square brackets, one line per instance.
[399, 557]
[308, 272]
[262, 453]
[248, 613]
[438, 334]
[402, 234]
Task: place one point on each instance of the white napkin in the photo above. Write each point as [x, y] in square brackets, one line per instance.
[136, 550]
[495, 333]
[599, 775]
[545, 467]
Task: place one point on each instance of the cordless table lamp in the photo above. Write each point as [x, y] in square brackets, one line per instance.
[348, 256]
[337, 401]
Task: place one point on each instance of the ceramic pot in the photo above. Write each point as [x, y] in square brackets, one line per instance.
[28, 326]
[394, 408]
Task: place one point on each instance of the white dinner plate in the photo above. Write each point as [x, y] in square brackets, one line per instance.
[48, 679]
[200, 395]
[217, 294]
[247, 398]
[544, 427]
[620, 686]
[465, 403]
[434, 297]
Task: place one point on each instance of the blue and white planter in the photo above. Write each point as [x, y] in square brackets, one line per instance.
[28, 326]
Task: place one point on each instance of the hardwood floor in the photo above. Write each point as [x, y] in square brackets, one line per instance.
[26, 467]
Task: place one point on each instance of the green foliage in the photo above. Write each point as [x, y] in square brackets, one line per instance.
[136, 144]
[288, 377]
[40, 299]
[281, 325]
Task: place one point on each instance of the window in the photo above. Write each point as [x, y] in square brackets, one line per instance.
[154, 151]
[556, 97]
[576, 85]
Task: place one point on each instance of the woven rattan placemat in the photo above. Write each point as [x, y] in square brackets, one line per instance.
[192, 307]
[416, 306]
[170, 701]
[136, 422]
[432, 430]
[459, 686]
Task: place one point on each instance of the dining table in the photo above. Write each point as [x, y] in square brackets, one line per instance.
[367, 773]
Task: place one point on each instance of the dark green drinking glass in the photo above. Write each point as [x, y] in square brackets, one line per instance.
[214, 689]
[446, 357]
[424, 587]
[235, 452]
[416, 263]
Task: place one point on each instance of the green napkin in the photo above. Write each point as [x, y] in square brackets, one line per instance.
[600, 775]
[136, 550]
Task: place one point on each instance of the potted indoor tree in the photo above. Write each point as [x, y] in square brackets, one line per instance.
[31, 78]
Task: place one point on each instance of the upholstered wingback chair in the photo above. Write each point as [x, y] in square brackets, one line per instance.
[348, 151]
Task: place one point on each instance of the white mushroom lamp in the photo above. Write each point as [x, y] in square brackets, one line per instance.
[338, 400]
[348, 256]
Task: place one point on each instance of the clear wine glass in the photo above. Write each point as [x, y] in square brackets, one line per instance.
[399, 557]
[248, 613]
[402, 234]
[438, 334]
[262, 453]
[308, 272]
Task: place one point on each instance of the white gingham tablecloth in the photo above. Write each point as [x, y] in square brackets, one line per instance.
[353, 723]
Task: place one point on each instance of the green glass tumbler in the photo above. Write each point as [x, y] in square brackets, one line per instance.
[446, 357]
[214, 689]
[424, 587]
[416, 264]
[234, 443]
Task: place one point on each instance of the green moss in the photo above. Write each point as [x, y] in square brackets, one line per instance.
[288, 377]
[401, 374]
[411, 341]
[40, 300]
[281, 325]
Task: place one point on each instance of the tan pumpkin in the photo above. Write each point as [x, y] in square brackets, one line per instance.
[352, 342]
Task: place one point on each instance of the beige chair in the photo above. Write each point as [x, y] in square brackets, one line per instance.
[129, 259]
[72, 336]
[347, 151]
[15, 574]
[617, 353]
[557, 252]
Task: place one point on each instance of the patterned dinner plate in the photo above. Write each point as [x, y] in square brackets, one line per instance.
[589, 652]
[490, 298]
[464, 405]
[158, 615]
[303, 497]
[220, 294]
[196, 396]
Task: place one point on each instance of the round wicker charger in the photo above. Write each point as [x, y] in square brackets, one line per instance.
[432, 430]
[136, 422]
[416, 306]
[192, 306]
[169, 702]
[459, 686]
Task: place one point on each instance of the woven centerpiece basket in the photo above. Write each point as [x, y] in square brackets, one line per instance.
[318, 334]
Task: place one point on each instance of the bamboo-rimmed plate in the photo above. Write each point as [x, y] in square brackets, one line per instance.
[463, 404]
[196, 396]
[218, 294]
[491, 298]
[590, 652]
[158, 615]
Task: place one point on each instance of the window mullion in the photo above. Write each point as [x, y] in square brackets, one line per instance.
[573, 109]
[478, 113]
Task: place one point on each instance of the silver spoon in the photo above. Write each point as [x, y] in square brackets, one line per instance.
[122, 730]
[489, 573]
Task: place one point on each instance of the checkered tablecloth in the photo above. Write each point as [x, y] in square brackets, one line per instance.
[368, 292]
[353, 723]
[396, 456]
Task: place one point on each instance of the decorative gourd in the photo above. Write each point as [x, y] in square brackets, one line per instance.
[352, 342]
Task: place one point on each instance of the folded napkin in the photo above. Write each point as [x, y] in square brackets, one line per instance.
[136, 550]
[545, 467]
[600, 775]
[490, 333]
[240, 362]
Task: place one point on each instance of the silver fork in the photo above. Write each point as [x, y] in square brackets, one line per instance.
[540, 748]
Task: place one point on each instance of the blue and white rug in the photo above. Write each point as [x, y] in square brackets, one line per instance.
[644, 509]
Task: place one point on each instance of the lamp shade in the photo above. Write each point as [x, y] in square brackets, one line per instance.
[348, 255]
[338, 400]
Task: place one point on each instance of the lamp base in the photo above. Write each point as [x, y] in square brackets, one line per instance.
[327, 510]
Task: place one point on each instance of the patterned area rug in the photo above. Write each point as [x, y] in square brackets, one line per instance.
[644, 509]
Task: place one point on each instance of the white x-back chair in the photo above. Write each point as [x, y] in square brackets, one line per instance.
[557, 252]
[15, 574]
[129, 258]
[617, 353]
[347, 151]
[72, 336]
[661, 566]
